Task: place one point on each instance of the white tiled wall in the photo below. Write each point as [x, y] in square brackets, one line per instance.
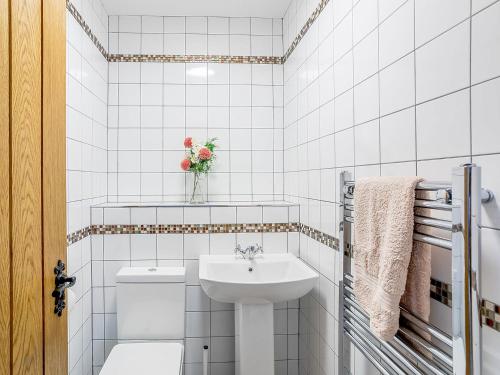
[86, 147]
[207, 322]
[382, 88]
[153, 106]
[155, 35]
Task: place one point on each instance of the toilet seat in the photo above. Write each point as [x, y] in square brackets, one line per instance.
[144, 358]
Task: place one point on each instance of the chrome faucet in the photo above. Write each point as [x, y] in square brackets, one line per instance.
[251, 250]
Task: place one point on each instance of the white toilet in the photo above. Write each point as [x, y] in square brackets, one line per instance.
[150, 304]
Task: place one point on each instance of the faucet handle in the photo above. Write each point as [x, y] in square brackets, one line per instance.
[237, 249]
[258, 249]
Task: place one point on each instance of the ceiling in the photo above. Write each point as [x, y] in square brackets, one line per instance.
[225, 8]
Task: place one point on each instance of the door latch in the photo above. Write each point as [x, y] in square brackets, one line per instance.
[62, 281]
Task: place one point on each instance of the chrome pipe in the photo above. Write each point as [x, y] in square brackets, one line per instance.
[436, 223]
[413, 337]
[432, 204]
[466, 303]
[379, 352]
[486, 194]
[400, 356]
[357, 343]
[445, 244]
[427, 327]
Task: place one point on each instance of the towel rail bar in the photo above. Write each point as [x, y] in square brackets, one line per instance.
[424, 326]
[379, 352]
[442, 224]
[435, 351]
[392, 350]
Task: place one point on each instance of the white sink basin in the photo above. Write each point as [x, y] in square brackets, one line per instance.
[268, 278]
[254, 286]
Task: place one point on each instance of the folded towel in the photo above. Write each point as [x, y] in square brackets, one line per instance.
[383, 243]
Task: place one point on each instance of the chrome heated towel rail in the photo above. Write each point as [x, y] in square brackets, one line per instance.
[447, 215]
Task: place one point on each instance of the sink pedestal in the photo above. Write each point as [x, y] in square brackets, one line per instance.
[254, 339]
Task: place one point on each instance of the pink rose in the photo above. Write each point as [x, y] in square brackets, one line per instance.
[205, 153]
[188, 142]
[185, 164]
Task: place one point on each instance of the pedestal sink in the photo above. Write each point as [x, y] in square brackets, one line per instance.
[254, 285]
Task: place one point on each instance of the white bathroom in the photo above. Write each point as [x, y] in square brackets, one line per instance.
[236, 187]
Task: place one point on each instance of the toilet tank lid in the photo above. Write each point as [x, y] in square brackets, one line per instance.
[151, 275]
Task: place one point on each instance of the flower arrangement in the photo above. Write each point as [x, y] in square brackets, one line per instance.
[199, 160]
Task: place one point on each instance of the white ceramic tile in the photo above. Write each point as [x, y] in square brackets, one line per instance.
[116, 216]
[485, 117]
[129, 24]
[174, 44]
[433, 18]
[366, 100]
[485, 60]
[344, 111]
[239, 45]
[440, 118]
[170, 246]
[366, 143]
[365, 57]
[143, 246]
[397, 136]
[397, 86]
[344, 148]
[396, 34]
[174, 24]
[152, 24]
[442, 66]
[116, 247]
[152, 44]
[218, 45]
[364, 19]
[218, 25]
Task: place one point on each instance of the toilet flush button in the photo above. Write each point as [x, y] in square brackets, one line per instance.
[152, 269]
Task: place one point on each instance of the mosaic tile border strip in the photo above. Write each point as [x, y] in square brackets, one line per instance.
[181, 229]
[219, 59]
[441, 292]
[79, 235]
[322, 4]
[195, 228]
[197, 58]
[319, 236]
[490, 314]
[168, 58]
[78, 17]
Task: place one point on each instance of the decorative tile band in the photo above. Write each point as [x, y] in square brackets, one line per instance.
[195, 228]
[490, 314]
[319, 236]
[220, 59]
[441, 292]
[78, 235]
[322, 4]
[181, 229]
[196, 58]
[167, 58]
[78, 17]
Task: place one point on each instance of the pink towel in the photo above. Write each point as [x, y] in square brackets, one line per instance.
[383, 248]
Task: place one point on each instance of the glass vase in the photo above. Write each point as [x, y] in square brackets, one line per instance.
[198, 194]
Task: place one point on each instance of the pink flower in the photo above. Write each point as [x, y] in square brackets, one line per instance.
[188, 142]
[185, 164]
[205, 153]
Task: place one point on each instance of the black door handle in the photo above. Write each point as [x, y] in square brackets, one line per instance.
[62, 281]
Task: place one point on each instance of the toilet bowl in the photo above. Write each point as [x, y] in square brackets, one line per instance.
[150, 305]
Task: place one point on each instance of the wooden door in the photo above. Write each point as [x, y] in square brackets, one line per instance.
[33, 340]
